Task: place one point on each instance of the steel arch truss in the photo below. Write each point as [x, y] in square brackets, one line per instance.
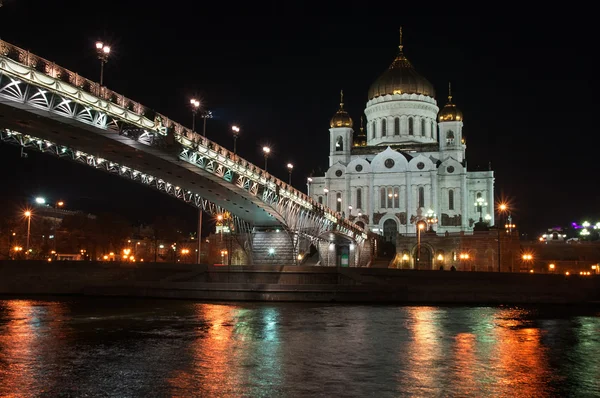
[296, 214]
[293, 209]
[48, 147]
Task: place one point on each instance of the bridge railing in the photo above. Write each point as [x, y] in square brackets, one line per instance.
[190, 138]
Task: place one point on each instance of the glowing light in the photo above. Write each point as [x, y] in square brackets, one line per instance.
[266, 150]
[351, 246]
[551, 266]
[290, 166]
[271, 251]
[39, 200]
[27, 213]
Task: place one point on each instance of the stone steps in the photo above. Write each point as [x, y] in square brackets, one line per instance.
[272, 248]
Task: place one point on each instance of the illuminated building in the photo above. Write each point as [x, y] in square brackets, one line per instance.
[408, 159]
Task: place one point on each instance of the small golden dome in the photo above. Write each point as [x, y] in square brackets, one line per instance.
[341, 117]
[401, 78]
[450, 113]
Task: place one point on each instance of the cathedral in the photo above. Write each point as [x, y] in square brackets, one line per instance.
[408, 166]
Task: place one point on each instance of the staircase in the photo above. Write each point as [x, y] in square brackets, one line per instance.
[272, 248]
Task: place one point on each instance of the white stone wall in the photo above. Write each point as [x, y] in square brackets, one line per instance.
[421, 109]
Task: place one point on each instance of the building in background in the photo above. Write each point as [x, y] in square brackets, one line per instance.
[407, 166]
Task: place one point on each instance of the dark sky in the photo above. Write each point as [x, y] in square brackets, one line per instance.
[526, 85]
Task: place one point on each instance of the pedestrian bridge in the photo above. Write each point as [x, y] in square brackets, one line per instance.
[47, 108]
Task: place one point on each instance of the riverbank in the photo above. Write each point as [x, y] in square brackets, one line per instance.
[292, 283]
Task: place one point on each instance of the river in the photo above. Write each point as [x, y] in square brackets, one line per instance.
[90, 347]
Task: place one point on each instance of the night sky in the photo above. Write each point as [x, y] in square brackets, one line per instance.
[525, 85]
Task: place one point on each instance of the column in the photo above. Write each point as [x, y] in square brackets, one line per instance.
[464, 198]
[409, 204]
[491, 205]
[348, 196]
[370, 195]
[435, 194]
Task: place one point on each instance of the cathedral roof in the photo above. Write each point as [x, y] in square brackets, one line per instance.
[401, 78]
[450, 113]
[341, 117]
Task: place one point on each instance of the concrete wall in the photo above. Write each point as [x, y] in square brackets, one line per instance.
[292, 283]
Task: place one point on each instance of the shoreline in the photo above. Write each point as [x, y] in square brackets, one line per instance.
[293, 284]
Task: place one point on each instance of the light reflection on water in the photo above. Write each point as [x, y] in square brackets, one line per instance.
[127, 347]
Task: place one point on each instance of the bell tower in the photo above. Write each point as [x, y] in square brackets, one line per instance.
[340, 135]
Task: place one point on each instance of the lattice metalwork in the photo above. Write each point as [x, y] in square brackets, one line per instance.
[57, 90]
[48, 147]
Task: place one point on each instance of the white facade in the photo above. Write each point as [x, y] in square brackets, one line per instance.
[413, 162]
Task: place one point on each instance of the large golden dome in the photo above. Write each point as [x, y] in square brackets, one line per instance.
[341, 117]
[401, 78]
[450, 113]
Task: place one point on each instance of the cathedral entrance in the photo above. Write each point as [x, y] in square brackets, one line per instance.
[390, 231]
[424, 261]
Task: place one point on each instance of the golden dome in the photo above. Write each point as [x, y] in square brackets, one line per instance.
[450, 113]
[341, 117]
[401, 78]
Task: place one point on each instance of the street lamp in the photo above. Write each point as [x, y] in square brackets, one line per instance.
[502, 208]
[206, 115]
[266, 151]
[421, 225]
[28, 215]
[236, 133]
[40, 201]
[326, 191]
[308, 182]
[527, 258]
[195, 105]
[102, 51]
[60, 203]
[431, 218]
[480, 203]
[290, 167]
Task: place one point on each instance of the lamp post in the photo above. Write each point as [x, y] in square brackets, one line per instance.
[308, 181]
[480, 203]
[421, 225]
[102, 50]
[431, 219]
[290, 167]
[195, 105]
[326, 191]
[28, 215]
[206, 115]
[502, 207]
[236, 133]
[266, 152]
[527, 259]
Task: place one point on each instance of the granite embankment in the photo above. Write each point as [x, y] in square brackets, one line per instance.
[291, 283]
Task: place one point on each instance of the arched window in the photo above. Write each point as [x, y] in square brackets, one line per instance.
[397, 126]
[423, 127]
[450, 137]
[421, 197]
[359, 198]
[397, 198]
[450, 199]
[338, 202]
[383, 127]
[320, 200]
[411, 126]
[433, 131]
[382, 198]
[339, 144]
[373, 130]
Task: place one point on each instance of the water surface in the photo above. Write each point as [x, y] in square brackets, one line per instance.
[146, 348]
